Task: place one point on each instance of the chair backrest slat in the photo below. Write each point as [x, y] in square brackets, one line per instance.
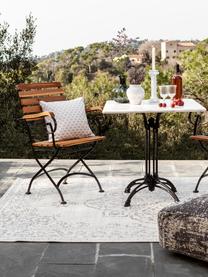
[24, 86]
[45, 92]
[36, 100]
[31, 109]
[31, 94]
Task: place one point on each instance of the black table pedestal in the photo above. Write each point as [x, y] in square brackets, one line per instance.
[151, 180]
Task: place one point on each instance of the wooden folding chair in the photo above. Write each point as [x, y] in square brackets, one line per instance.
[30, 95]
[202, 139]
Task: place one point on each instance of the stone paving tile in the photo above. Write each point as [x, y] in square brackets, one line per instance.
[123, 167]
[101, 162]
[167, 168]
[100, 167]
[30, 168]
[127, 168]
[99, 170]
[124, 266]
[174, 265]
[9, 167]
[189, 169]
[70, 253]
[125, 248]
[5, 183]
[20, 259]
[63, 270]
[203, 186]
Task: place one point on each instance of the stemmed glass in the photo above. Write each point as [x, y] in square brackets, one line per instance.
[163, 94]
[171, 91]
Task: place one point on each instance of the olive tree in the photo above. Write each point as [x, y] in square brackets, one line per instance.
[195, 66]
[16, 65]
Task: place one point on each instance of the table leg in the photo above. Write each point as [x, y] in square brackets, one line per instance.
[151, 180]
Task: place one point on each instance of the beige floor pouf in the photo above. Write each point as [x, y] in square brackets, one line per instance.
[183, 228]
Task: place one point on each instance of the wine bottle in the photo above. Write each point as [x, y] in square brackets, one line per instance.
[177, 80]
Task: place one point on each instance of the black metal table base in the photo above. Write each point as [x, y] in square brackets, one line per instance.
[151, 183]
[151, 180]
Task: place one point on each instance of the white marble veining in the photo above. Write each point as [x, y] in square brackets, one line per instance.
[190, 105]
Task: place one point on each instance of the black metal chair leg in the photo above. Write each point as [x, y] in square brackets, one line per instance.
[52, 181]
[71, 167]
[52, 170]
[93, 175]
[43, 168]
[32, 179]
[40, 170]
[85, 154]
[64, 178]
[71, 174]
[134, 191]
[200, 178]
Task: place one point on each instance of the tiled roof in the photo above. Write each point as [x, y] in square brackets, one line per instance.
[186, 44]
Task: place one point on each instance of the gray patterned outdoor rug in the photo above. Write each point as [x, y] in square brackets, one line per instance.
[89, 216]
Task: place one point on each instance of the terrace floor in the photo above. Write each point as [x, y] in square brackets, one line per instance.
[96, 259]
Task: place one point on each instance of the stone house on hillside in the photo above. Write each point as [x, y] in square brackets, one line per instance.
[170, 50]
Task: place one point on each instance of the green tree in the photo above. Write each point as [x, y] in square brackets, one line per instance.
[16, 65]
[95, 92]
[163, 78]
[195, 76]
[123, 44]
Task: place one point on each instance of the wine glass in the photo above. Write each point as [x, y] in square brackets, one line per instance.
[171, 91]
[163, 93]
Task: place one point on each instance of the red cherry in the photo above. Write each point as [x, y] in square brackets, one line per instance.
[172, 105]
[176, 102]
[180, 103]
[160, 105]
[164, 105]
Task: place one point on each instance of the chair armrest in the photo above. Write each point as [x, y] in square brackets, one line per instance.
[96, 118]
[36, 116]
[94, 109]
[51, 126]
[200, 138]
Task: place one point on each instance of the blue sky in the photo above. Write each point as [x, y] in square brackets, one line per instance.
[68, 23]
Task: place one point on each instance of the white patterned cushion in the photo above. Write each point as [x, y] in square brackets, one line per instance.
[71, 118]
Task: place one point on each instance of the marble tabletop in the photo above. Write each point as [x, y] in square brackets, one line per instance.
[190, 105]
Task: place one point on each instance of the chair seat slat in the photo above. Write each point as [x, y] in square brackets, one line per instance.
[68, 143]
